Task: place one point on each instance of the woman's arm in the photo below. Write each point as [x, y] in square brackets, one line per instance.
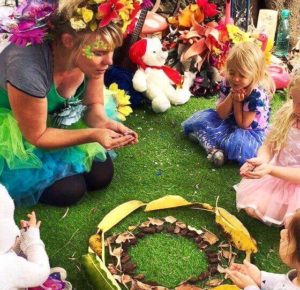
[31, 115]
[242, 118]
[224, 108]
[95, 115]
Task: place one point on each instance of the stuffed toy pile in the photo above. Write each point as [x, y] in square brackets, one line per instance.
[161, 84]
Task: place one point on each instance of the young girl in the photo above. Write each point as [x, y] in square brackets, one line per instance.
[23, 259]
[270, 190]
[236, 129]
[248, 276]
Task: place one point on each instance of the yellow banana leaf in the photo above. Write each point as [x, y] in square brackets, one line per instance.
[226, 287]
[98, 274]
[118, 214]
[168, 201]
[238, 233]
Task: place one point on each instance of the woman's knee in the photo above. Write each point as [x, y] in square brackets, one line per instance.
[65, 192]
[100, 175]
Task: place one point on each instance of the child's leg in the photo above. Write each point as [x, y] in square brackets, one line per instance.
[251, 212]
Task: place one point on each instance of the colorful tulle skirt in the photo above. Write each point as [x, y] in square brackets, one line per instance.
[213, 132]
[26, 170]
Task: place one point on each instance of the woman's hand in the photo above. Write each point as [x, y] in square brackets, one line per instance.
[110, 139]
[248, 269]
[32, 222]
[120, 128]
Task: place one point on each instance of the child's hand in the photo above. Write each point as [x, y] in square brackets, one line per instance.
[259, 171]
[250, 165]
[32, 221]
[248, 269]
[240, 279]
[238, 95]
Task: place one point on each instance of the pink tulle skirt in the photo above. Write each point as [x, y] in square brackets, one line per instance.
[272, 199]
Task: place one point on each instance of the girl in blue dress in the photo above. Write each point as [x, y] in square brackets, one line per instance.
[236, 128]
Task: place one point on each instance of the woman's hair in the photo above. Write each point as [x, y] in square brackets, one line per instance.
[283, 120]
[294, 236]
[60, 24]
[248, 59]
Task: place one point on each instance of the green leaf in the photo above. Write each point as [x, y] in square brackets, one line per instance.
[98, 274]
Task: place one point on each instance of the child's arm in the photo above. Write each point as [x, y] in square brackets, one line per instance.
[36, 269]
[224, 107]
[242, 118]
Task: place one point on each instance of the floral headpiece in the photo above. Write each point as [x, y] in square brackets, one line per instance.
[27, 25]
[99, 13]
[28, 22]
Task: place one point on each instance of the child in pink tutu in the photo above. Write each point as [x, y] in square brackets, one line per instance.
[248, 276]
[270, 189]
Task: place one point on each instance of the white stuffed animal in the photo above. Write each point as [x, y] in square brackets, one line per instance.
[156, 81]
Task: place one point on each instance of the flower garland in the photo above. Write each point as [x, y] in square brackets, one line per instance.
[28, 23]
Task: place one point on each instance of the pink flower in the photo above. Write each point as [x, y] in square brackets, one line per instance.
[109, 11]
[209, 9]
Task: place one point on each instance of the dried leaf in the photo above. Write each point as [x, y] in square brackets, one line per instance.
[95, 244]
[124, 237]
[221, 269]
[168, 201]
[210, 237]
[214, 282]
[199, 232]
[145, 224]
[226, 254]
[118, 213]
[156, 222]
[181, 225]
[170, 219]
[132, 228]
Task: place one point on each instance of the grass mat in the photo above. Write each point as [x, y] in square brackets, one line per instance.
[164, 162]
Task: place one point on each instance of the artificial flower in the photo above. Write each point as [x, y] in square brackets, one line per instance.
[237, 35]
[122, 101]
[77, 23]
[109, 11]
[87, 14]
[209, 9]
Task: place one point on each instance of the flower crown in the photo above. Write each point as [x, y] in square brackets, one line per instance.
[27, 25]
[99, 13]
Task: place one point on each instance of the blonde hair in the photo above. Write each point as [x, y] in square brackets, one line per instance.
[60, 23]
[284, 119]
[248, 59]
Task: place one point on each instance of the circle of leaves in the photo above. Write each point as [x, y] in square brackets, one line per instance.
[123, 269]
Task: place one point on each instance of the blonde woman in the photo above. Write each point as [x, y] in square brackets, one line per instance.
[52, 77]
[270, 189]
[236, 129]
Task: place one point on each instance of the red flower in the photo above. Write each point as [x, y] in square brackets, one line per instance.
[209, 9]
[109, 11]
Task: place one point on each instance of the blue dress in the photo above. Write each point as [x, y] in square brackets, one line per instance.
[238, 144]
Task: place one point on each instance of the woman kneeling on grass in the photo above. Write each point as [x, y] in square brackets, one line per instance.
[50, 84]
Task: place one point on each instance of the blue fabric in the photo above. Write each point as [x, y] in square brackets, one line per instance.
[123, 77]
[213, 132]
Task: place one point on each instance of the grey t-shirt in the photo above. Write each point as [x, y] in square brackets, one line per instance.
[28, 69]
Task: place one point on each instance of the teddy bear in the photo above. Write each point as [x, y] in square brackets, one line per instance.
[159, 83]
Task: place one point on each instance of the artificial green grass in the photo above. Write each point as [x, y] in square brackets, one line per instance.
[182, 259]
[164, 162]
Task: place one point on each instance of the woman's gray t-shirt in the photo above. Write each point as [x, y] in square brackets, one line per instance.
[29, 69]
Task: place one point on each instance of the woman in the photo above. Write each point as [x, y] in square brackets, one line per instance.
[47, 86]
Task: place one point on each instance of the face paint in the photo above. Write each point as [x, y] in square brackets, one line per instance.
[97, 45]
